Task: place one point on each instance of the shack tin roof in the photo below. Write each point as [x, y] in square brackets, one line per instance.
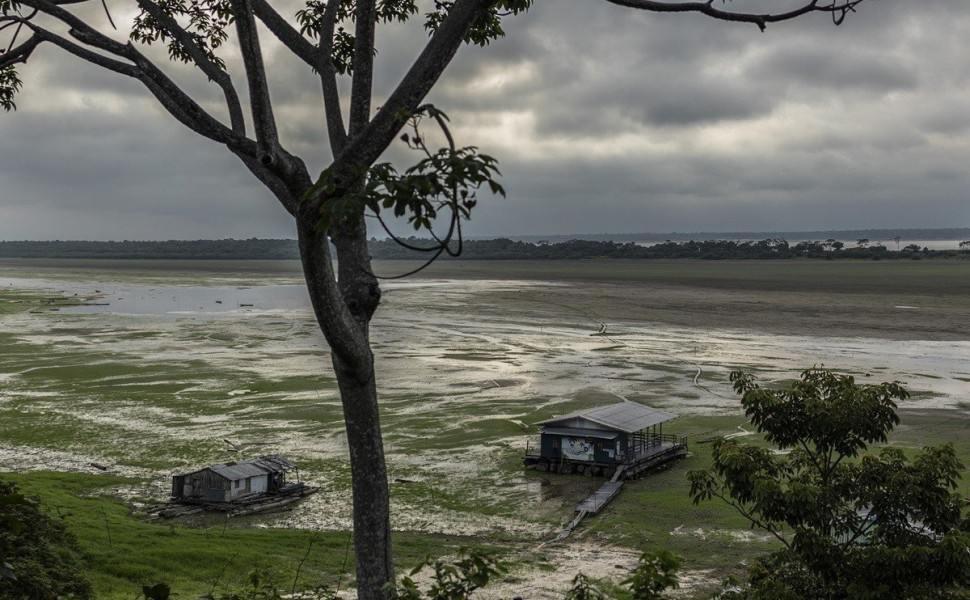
[243, 469]
[628, 417]
[575, 432]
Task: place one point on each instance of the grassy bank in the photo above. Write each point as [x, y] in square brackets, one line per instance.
[124, 551]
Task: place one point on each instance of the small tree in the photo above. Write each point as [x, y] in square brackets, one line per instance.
[850, 524]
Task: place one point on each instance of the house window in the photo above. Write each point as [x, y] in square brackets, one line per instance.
[248, 484]
[555, 443]
[237, 484]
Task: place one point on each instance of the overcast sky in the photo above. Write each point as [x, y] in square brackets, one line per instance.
[604, 119]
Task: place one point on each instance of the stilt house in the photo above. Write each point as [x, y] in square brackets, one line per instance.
[232, 480]
[601, 439]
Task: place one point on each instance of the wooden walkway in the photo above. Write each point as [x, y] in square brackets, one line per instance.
[601, 497]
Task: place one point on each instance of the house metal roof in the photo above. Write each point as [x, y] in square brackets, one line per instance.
[628, 417]
[575, 432]
[249, 468]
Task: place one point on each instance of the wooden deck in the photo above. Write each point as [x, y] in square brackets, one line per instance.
[654, 457]
[653, 450]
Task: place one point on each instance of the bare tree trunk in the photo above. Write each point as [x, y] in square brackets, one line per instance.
[372, 524]
[344, 314]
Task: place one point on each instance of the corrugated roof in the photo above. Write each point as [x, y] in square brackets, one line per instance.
[240, 470]
[277, 462]
[627, 416]
[575, 432]
[249, 468]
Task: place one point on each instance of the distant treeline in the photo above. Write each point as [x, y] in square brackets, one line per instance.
[497, 249]
[251, 249]
[961, 233]
[769, 249]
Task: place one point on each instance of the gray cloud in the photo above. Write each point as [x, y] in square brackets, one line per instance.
[604, 119]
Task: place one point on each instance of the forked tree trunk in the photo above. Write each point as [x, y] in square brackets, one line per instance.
[346, 314]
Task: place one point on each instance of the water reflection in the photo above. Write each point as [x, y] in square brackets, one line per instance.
[140, 300]
[179, 299]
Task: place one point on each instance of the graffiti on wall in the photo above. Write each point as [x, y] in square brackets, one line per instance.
[577, 449]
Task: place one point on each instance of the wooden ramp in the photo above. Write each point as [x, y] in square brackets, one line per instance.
[601, 497]
[592, 504]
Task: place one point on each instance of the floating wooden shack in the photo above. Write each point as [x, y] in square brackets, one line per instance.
[237, 488]
[232, 481]
[625, 438]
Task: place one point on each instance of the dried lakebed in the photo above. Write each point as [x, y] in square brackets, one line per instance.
[154, 382]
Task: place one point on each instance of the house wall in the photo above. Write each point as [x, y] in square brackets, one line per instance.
[207, 485]
[580, 449]
[250, 485]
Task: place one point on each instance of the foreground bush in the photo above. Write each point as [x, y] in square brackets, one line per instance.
[39, 558]
[852, 524]
[654, 574]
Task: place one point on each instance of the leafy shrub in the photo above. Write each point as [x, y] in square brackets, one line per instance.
[39, 558]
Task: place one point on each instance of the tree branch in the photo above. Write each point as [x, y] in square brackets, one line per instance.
[21, 53]
[336, 130]
[365, 148]
[287, 34]
[317, 57]
[172, 98]
[363, 82]
[287, 178]
[347, 341]
[837, 8]
[288, 188]
[267, 138]
[83, 53]
[211, 70]
[754, 520]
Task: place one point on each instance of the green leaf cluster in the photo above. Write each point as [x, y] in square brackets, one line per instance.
[487, 28]
[205, 21]
[263, 584]
[655, 573]
[9, 86]
[852, 524]
[455, 580]
[447, 179]
[311, 18]
[39, 558]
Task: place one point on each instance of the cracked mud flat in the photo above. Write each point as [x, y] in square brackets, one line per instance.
[153, 384]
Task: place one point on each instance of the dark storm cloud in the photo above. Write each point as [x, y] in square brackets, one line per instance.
[604, 119]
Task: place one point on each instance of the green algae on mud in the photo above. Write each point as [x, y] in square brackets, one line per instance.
[462, 365]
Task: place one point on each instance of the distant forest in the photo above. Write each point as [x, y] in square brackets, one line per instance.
[497, 249]
[885, 235]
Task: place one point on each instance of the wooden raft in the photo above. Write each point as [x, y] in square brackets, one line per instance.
[242, 507]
